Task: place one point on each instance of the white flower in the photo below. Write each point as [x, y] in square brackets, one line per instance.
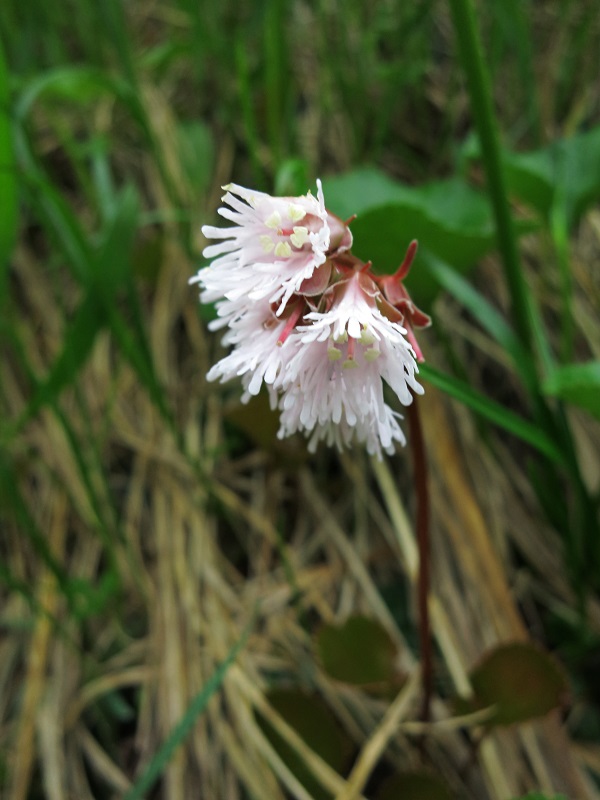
[309, 321]
[332, 380]
[275, 245]
[261, 349]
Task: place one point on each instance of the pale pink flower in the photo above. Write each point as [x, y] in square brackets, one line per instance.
[274, 246]
[258, 356]
[333, 379]
[309, 321]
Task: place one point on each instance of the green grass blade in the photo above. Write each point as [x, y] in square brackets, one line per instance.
[487, 316]
[184, 726]
[78, 342]
[275, 75]
[469, 45]
[8, 179]
[493, 412]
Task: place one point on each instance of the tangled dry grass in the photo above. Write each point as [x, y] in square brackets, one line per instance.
[213, 545]
[175, 545]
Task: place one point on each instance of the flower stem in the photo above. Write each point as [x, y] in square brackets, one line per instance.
[422, 527]
[465, 28]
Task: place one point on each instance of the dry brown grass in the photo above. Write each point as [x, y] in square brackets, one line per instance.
[207, 548]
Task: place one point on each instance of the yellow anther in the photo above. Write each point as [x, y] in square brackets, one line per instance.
[274, 220]
[296, 212]
[371, 354]
[267, 243]
[333, 354]
[366, 337]
[283, 250]
[299, 236]
[350, 363]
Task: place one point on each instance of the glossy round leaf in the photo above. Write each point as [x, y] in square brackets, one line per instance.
[521, 681]
[359, 652]
[312, 719]
[414, 786]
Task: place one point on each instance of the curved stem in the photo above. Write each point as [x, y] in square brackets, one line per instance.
[422, 527]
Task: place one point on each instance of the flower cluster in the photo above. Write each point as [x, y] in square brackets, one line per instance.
[309, 320]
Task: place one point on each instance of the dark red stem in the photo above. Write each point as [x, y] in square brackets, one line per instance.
[422, 525]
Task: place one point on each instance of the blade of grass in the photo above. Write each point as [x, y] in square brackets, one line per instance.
[274, 38]
[465, 28]
[493, 412]
[78, 342]
[248, 110]
[180, 732]
[8, 178]
[487, 316]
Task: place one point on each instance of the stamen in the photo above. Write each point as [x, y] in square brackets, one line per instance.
[366, 337]
[333, 354]
[371, 354]
[296, 212]
[299, 236]
[266, 243]
[274, 220]
[283, 249]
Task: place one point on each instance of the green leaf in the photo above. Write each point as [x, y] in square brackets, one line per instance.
[519, 681]
[414, 786]
[362, 190]
[184, 727]
[450, 218]
[493, 412]
[79, 339]
[488, 317]
[75, 84]
[578, 384]
[539, 796]
[56, 215]
[360, 652]
[312, 719]
[8, 179]
[196, 152]
[111, 263]
[567, 170]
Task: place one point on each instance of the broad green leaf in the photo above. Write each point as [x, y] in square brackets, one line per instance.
[493, 412]
[414, 786]
[362, 190]
[359, 652]
[291, 178]
[450, 218]
[519, 681]
[312, 719]
[578, 384]
[567, 170]
[8, 179]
